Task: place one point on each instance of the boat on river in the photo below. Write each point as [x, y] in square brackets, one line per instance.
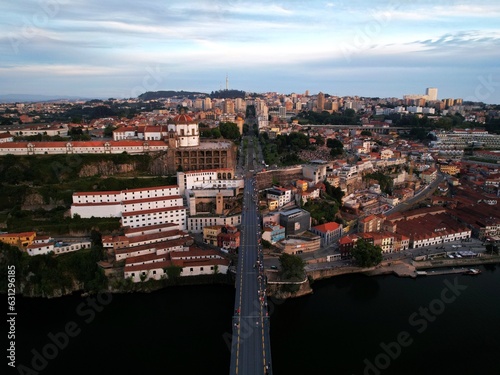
[472, 271]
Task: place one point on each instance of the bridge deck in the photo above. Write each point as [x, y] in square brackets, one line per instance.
[250, 346]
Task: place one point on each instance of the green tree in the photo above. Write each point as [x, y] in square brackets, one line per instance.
[108, 131]
[216, 133]
[292, 267]
[366, 254]
[334, 143]
[334, 192]
[173, 272]
[229, 130]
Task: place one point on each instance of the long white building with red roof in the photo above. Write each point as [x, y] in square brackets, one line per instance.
[82, 147]
[136, 207]
[149, 251]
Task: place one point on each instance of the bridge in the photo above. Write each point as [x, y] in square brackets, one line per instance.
[250, 344]
[371, 128]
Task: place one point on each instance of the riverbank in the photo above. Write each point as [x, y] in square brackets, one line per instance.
[400, 268]
[404, 267]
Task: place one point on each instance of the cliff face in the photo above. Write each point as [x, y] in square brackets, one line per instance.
[105, 168]
[34, 201]
[30, 291]
[160, 165]
[279, 291]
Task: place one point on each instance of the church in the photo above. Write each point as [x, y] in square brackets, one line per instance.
[186, 152]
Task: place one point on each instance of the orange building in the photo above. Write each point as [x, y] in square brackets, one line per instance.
[21, 240]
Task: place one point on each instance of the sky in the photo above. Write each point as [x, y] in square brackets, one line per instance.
[122, 48]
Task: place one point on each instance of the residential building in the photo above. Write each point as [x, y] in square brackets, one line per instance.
[21, 240]
[346, 244]
[315, 171]
[370, 223]
[229, 238]
[273, 233]
[210, 233]
[279, 194]
[56, 247]
[429, 175]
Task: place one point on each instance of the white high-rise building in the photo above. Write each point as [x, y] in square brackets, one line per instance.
[431, 93]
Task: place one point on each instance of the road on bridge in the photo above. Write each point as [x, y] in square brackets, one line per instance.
[250, 345]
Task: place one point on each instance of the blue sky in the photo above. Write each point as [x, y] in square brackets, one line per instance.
[121, 48]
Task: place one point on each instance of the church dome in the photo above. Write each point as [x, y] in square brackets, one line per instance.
[182, 118]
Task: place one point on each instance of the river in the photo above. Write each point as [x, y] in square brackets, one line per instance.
[351, 324]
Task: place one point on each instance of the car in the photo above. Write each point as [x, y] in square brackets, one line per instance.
[274, 267]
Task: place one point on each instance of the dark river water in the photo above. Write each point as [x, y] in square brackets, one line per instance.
[351, 324]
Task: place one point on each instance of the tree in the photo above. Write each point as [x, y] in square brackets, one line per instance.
[334, 143]
[173, 272]
[349, 112]
[292, 266]
[108, 131]
[229, 130]
[334, 192]
[366, 254]
[95, 236]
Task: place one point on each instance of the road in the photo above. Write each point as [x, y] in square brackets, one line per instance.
[420, 196]
[250, 347]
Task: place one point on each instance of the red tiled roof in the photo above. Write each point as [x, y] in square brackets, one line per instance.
[327, 227]
[345, 240]
[153, 211]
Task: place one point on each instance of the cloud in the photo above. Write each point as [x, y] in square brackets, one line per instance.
[281, 43]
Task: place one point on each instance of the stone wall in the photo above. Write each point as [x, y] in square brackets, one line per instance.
[283, 176]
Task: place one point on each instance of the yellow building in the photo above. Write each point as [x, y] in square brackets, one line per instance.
[239, 123]
[272, 204]
[302, 185]
[210, 234]
[21, 240]
[449, 169]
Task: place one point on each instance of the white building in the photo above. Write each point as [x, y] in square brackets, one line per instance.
[281, 195]
[136, 207]
[208, 179]
[124, 132]
[192, 262]
[55, 247]
[315, 171]
[431, 93]
[82, 147]
[348, 171]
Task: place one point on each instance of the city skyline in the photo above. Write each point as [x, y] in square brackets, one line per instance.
[122, 49]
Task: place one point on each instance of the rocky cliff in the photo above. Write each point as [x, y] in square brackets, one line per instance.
[105, 168]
